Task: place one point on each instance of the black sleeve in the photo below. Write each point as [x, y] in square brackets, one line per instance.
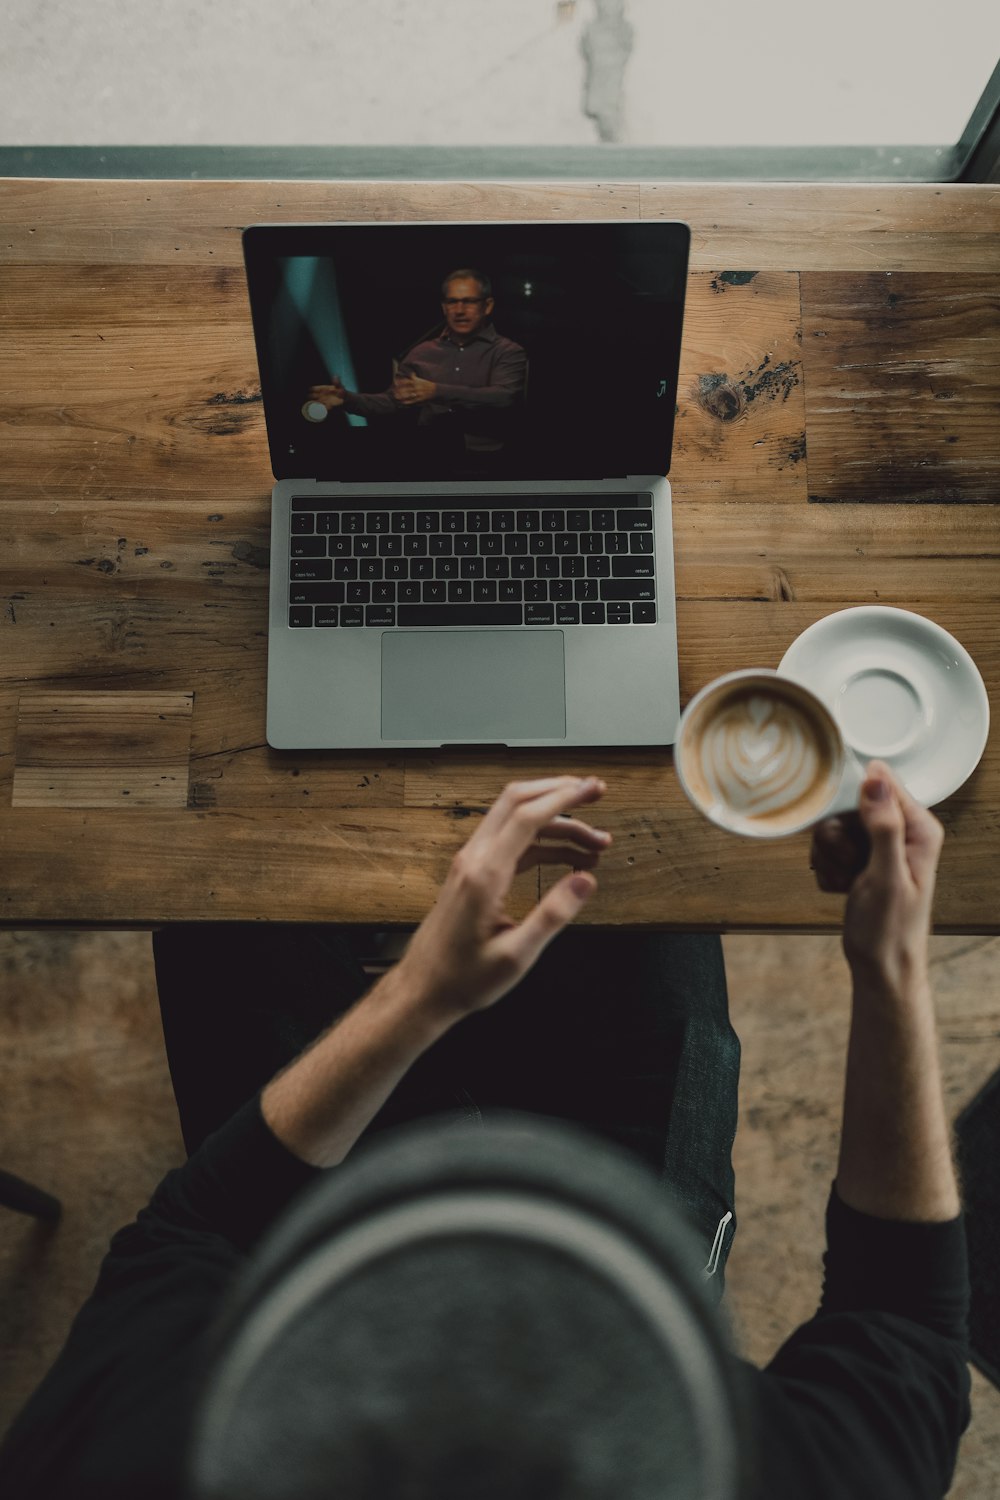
[871, 1396]
[110, 1418]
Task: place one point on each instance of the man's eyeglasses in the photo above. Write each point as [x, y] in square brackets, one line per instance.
[463, 301]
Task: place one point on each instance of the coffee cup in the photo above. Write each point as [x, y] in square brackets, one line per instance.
[760, 755]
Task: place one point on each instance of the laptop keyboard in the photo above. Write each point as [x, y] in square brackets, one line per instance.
[583, 563]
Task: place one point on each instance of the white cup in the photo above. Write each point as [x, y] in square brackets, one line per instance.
[760, 755]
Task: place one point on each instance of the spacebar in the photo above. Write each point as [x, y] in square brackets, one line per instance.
[458, 614]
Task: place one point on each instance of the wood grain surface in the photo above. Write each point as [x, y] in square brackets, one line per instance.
[836, 444]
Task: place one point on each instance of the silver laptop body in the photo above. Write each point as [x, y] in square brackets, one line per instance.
[362, 661]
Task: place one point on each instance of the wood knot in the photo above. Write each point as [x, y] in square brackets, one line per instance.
[721, 397]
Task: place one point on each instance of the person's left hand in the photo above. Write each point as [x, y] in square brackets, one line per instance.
[411, 390]
[468, 952]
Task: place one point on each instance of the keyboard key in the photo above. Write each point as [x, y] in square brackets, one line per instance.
[302, 525]
[498, 567]
[328, 522]
[484, 592]
[414, 546]
[547, 567]
[397, 567]
[446, 567]
[316, 593]
[421, 567]
[627, 588]
[553, 520]
[591, 541]
[390, 546]
[632, 567]
[644, 614]
[368, 546]
[615, 541]
[634, 520]
[311, 570]
[603, 520]
[592, 614]
[477, 520]
[359, 593]
[515, 543]
[458, 614]
[327, 614]
[377, 521]
[339, 546]
[460, 592]
[466, 545]
[509, 590]
[541, 544]
[539, 614]
[435, 593]
[345, 568]
[566, 541]
[522, 567]
[382, 593]
[535, 590]
[352, 614]
[574, 567]
[490, 544]
[453, 520]
[428, 520]
[598, 567]
[440, 546]
[353, 521]
[585, 589]
[308, 546]
[567, 614]
[578, 520]
[561, 588]
[403, 520]
[529, 520]
[380, 614]
[619, 614]
[640, 541]
[503, 520]
[408, 593]
[370, 568]
[300, 616]
[472, 567]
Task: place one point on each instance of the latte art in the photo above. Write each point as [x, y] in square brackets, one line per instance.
[759, 756]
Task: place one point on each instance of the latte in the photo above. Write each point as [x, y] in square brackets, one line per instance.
[759, 755]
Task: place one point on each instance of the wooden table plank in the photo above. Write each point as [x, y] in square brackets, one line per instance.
[134, 536]
[900, 355]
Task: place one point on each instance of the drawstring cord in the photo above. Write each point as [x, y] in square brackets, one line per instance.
[713, 1259]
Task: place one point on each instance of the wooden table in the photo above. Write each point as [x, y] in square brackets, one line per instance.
[837, 443]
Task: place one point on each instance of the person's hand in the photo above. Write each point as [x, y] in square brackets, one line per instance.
[886, 857]
[468, 952]
[411, 390]
[329, 395]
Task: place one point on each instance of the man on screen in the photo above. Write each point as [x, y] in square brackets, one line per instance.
[463, 381]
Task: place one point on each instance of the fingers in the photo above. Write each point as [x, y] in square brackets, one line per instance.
[525, 808]
[840, 851]
[557, 854]
[557, 908]
[580, 833]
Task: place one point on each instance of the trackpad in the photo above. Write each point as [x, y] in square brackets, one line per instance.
[463, 685]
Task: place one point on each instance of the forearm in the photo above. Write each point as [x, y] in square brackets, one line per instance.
[895, 1154]
[319, 1106]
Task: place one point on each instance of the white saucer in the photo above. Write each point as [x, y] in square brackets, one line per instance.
[902, 690]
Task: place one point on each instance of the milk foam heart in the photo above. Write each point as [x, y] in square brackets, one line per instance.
[759, 755]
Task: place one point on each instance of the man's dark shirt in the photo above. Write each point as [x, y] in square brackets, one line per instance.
[475, 378]
[866, 1401]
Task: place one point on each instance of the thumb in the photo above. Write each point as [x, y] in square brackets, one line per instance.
[560, 905]
[883, 820]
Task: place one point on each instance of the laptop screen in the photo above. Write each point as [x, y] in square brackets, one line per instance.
[468, 351]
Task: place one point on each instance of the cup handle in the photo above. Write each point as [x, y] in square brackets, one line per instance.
[848, 794]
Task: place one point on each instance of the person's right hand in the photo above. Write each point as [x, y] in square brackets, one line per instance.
[886, 857]
[329, 395]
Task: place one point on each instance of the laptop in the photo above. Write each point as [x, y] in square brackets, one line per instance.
[470, 429]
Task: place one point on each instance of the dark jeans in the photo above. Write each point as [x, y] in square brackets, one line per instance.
[625, 1034]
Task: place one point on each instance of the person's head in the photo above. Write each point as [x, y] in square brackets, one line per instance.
[467, 302]
[515, 1314]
